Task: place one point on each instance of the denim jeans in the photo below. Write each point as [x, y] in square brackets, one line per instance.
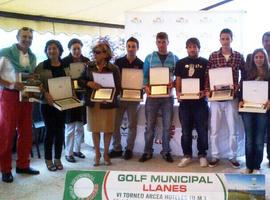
[255, 126]
[268, 136]
[194, 114]
[153, 105]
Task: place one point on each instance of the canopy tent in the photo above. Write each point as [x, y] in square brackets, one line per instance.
[108, 17]
[102, 13]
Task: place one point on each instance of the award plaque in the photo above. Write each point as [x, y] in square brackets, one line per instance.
[61, 90]
[221, 95]
[159, 80]
[107, 91]
[159, 89]
[132, 84]
[103, 95]
[132, 95]
[31, 91]
[253, 108]
[255, 95]
[190, 96]
[221, 84]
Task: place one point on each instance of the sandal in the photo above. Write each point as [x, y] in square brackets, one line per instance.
[58, 164]
[50, 166]
[96, 160]
[107, 160]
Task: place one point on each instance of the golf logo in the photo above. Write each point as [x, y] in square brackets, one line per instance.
[131, 185]
[83, 187]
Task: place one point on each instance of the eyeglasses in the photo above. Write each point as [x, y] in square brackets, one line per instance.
[98, 52]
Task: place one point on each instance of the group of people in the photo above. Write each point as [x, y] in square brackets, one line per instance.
[67, 126]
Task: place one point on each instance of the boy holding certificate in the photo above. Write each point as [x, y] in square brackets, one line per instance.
[130, 61]
[225, 110]
[192, 111]
[158, 59]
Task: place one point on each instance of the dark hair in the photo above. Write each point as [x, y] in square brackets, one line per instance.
[23, 29]
[266, 34]
[133, 39]
[162, 35]
[194, 41]
[57, 43]
[226, 30]
[74, 41]
[104, 46]
[251, 67]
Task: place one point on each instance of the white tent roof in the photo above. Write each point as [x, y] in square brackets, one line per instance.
[105, 11]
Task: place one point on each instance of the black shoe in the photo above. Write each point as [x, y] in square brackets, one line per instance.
[79, 154]
[128, 154]
[167, 157]
[115, 154]
[145, 157]
[7, 177]
[70, 159]
[28, 170]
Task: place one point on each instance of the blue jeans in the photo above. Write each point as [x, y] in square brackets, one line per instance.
[268, 136]
[153, 105]
[194, 114]
[255, 127]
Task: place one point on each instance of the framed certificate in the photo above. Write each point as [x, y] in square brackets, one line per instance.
[159, 80]
[190, 88]
[107, 92]
[132, 84]
[131, 95]
[255, 95]
[221, 84]
[103, 95]
[61, 90]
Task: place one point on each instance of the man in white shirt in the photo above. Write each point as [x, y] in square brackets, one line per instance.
[15, 115]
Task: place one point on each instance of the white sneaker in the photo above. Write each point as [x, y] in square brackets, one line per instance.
[184, 162]
[256, 171]
[203, 162]
[246, 171]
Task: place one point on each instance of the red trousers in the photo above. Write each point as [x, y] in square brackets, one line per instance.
[14, 115]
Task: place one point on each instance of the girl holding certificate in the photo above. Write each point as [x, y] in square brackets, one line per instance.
[255, 123]
[101, 116]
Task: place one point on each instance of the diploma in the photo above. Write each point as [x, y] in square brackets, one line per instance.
[159, 76]
[132, 78]
[104, 79]
[190, 88]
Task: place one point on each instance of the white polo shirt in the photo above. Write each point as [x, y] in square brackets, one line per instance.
[7, 71]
